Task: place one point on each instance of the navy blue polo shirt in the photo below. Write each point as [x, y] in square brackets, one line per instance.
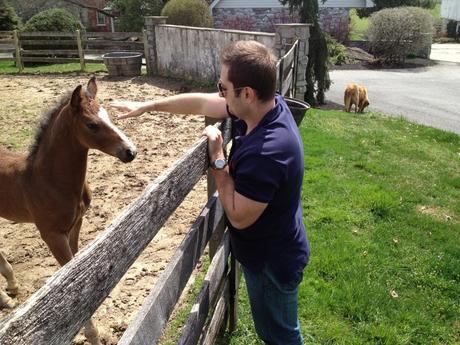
[267, 165]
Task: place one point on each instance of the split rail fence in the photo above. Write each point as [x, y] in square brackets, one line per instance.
[287, 71]
[66, 47]
[57, 311]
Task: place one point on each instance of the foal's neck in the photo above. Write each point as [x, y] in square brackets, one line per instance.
[60, 157]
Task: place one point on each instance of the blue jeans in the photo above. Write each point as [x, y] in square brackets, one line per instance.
[273, 307]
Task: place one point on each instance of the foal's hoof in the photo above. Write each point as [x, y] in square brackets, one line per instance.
[13, 290]
[6, 301]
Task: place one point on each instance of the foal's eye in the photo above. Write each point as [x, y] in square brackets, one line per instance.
[92, 126]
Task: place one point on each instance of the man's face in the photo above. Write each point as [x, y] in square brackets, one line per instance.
[227, 91]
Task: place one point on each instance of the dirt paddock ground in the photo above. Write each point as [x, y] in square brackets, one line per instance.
[160, 140]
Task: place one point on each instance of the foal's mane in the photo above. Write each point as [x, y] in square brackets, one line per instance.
[44, 124]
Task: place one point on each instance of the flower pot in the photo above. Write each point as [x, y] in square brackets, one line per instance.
[298, 108]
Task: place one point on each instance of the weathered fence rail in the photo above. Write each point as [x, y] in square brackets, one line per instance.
[56, 312]
[6, 43]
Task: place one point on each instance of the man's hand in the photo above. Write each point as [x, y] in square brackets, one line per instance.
[215, 142]
[131, 109]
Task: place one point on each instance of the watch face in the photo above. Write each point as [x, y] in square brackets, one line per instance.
[220, 163]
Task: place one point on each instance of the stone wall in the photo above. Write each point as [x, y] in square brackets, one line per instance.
[332, 20]
[252, 19]
[335, 21]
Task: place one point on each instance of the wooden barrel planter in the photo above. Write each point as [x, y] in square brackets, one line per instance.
[126, 64]
[298, 108]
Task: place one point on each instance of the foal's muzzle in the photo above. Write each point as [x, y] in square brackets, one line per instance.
[127, 155]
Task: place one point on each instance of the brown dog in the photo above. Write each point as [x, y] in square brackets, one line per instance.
[355, 95]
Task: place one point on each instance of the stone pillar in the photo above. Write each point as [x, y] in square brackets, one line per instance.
[150, 46]
[285, 36]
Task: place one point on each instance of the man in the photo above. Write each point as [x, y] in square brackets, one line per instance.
[260, 187]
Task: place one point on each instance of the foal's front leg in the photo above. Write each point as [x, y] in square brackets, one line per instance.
[91, 331]
[12, 284]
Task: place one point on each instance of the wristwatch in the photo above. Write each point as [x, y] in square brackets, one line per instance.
[219, 164]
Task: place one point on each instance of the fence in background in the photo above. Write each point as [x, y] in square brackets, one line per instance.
[66, 47]
[193, 56]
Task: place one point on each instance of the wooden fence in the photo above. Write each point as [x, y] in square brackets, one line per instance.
[287, 71]
[66, 47]
[89, 46]
[56, 312]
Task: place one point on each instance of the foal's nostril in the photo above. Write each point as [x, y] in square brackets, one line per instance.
[130, 155]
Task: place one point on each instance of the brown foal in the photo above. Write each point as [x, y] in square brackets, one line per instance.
[48, 185]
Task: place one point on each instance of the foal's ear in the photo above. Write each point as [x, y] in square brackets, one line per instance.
[91, 88]
[76, 97]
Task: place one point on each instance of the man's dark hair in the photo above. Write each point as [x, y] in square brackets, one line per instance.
[251, 64]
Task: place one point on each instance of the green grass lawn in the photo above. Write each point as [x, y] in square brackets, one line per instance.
[8, 67]
[381, 201]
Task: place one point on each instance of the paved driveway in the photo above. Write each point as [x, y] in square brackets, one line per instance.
[445, 52]
[426, 95]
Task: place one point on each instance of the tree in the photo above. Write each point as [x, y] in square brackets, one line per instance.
[317, 73]
[132, 13]
[8, 18]
[381, 4]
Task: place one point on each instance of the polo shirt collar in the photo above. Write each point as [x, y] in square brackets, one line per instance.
[271, 115]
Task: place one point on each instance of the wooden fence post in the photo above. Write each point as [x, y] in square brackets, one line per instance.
[81, 53]
[18, 51]
[281, 76]
[234, 280]
[146, 52]
[296, 67]
[211, 185]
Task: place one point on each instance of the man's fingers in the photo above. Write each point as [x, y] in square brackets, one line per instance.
[211, 132]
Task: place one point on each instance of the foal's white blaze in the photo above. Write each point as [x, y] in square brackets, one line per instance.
[104, 116]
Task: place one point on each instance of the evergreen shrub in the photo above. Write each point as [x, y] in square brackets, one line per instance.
[55, 19]
[394, 33]
[188, 12]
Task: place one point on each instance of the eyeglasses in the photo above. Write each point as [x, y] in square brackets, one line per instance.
[223, 90]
